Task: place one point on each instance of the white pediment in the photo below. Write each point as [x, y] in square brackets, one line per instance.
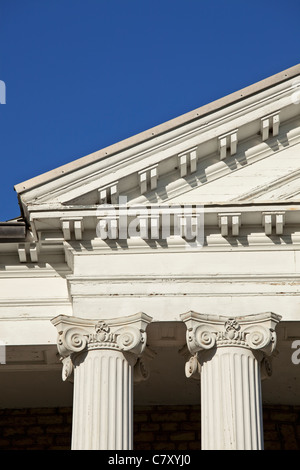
[244, 148]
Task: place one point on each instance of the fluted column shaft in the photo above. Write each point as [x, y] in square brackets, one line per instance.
[100, 358]
[102, 401]
[231, 400]
[230, 354]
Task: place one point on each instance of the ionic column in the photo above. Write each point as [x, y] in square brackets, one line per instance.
[232, 355]
[101, 358]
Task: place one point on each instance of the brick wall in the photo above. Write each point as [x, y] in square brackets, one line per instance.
[167, 428]
[36, 429]
[155, 428]
[282, 427]
[178, 428]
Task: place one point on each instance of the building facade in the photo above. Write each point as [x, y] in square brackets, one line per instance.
[162, 273]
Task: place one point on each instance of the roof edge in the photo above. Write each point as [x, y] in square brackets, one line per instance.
[159, 129]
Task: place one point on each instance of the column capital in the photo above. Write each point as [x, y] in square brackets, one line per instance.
[76, 335]
[255, 332]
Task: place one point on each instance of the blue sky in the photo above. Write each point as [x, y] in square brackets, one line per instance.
[84, 74]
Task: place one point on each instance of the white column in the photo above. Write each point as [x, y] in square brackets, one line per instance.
[101, 358]
[232, 354]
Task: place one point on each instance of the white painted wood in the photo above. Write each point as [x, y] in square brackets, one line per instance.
[193, 160]
[99, 357]
[143, 182]
[231, 401]
[22, 253]
[103, 401]
[183, 165]
[257, 182]
[66, 229]
[148, 179]
[153, 178]
[230, 352]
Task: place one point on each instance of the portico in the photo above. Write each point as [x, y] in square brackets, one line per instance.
[163, 270]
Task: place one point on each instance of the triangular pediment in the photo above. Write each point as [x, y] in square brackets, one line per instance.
[245, 147]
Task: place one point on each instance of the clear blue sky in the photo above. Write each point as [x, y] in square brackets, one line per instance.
[84, 74]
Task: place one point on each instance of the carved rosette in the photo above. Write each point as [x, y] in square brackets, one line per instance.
[255, 332]
[77, 335]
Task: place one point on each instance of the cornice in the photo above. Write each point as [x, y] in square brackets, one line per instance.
[231, 227]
